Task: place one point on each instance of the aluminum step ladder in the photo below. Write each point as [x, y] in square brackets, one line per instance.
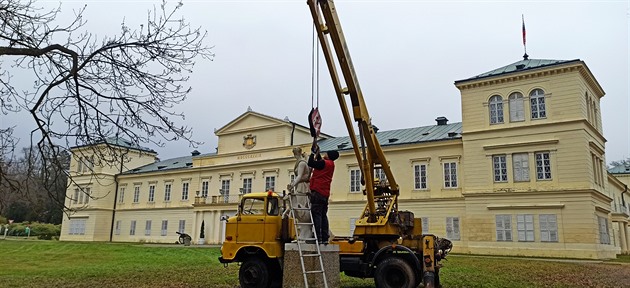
[301, 241]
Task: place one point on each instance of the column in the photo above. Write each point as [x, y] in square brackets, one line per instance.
[624, 237]
[627, 230]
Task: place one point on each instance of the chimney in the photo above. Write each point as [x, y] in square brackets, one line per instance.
[441, 120]
[195, 153]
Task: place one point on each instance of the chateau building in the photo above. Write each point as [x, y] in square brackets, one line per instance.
[524, 173]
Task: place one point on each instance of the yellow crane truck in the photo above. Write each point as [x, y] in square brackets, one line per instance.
[387, 245]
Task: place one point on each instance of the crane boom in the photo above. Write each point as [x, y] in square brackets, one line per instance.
[369, 154]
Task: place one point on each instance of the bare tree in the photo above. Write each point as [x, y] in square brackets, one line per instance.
[622, 162]
[85, 88]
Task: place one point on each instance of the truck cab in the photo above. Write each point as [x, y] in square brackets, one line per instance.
[254, 238]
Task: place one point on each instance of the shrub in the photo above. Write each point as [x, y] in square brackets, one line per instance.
[45, 231]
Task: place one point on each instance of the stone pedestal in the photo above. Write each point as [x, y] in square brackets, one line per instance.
[293, 277]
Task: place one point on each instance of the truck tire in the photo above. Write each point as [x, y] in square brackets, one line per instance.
[394, 272]
[253, 273]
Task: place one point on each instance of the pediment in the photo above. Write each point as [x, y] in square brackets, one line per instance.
[251, 121]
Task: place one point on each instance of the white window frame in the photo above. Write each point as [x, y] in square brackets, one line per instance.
[517, 107]
[136, 194]
[225, 190]
[132, 228]
[420, 180]
[247, 185]
[270, 183]
[452, 228]
[182, 226]
[548, 227]
[353, 225]
[168, 187]
[525, 227]
[425, 225]
[379, 174]
[77, 226]
[495, 108]
[151, 193]
[538, 104]
[185, 188]
[543, 170]
[520, 167]
[164, 230]
[604, 232]
[117, 229]
[450, 174]
[121, 194]
[88, 193]
[355, 180]
[75, 200]
[504, 227]
[499, 168]
[147, 228]
[204, 188]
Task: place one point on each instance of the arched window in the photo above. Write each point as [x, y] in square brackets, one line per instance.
[537, 101]
[496, 109]
[516, 107]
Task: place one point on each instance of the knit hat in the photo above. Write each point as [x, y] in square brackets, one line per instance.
[332, 155]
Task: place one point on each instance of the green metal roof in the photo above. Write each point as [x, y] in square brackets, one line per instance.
[620, 169]
[519, 66]
[400, 136]
[120, 142]
[385, 138]
[168, 164]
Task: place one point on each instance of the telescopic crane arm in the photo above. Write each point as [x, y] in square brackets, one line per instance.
[369, 153]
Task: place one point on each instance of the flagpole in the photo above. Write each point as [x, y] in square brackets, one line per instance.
[525, 56]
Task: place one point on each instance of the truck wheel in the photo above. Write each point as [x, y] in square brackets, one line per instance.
[394, 272]
[254, 273]
[431, 280]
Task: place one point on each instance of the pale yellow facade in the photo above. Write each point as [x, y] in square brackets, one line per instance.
[551, 195]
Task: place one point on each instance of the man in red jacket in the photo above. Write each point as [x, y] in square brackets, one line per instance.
[323, 169]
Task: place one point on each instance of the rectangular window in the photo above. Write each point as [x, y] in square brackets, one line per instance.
[182, 226]
[420, 176]
[88, 194]
[452, 228]
[185, 190]
[504, 227]
[543, 166]
[450, 175]
[355, 180]
[167, 192]
[270, 183]
[520, 165]
[79, 165]
[81, 196]
[379, 174]
[117, 230]
[353, 224]
[425, 225]
[604, 237]
[152, 193]
[147, 228]
[204, 189]
[132, 228]
[525, 227]
[77, 226]
[247, 185]
[164, 230]
[136, 194]
[75, 200]
[499, 166]
[225, 190]
[548, 228]
[121, 195]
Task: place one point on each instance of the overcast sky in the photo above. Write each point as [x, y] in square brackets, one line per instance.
[407, 54]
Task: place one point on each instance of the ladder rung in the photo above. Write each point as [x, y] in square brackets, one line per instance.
[311, 255]
[301, 209]
[303, 223]
[314, 271]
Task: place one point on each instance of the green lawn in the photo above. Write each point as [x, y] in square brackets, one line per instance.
[28, 263]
